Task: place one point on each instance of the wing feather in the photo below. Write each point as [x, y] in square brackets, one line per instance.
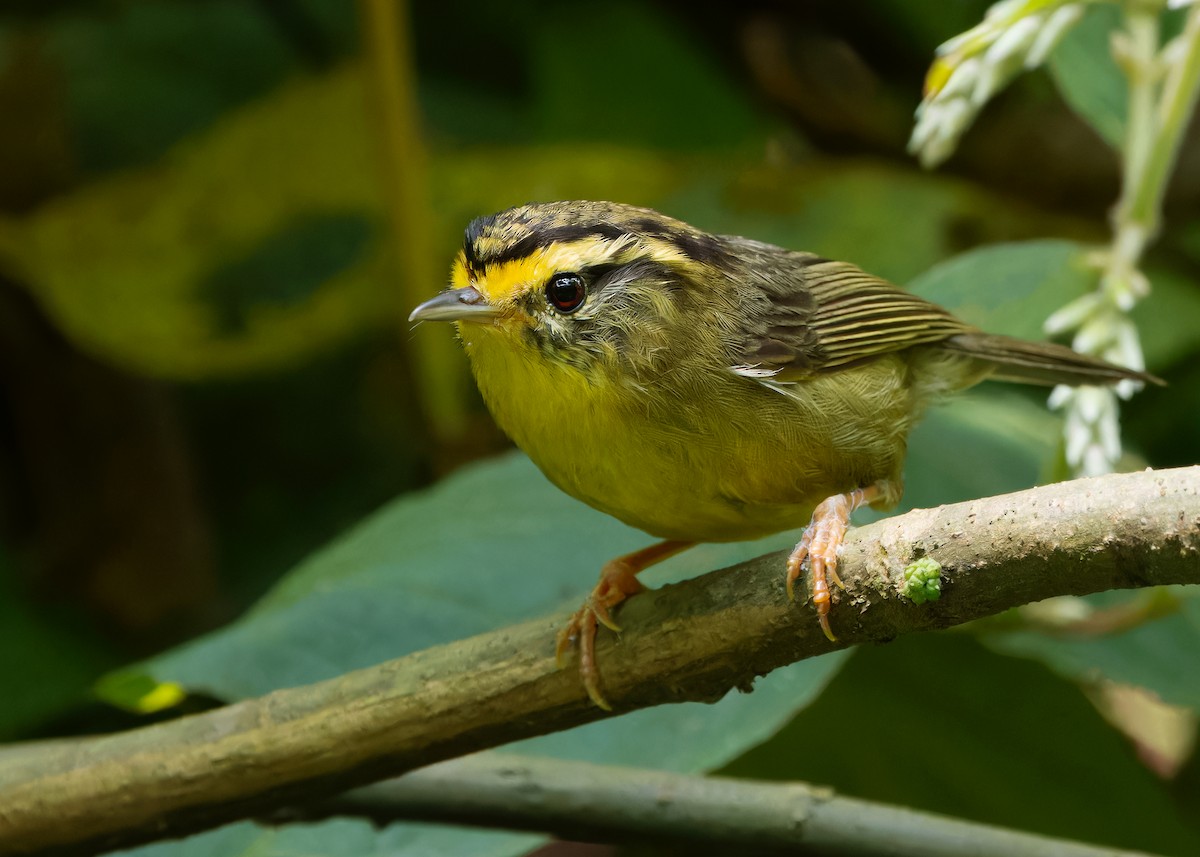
[815, 315]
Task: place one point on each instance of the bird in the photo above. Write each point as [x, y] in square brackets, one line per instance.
[709, 388]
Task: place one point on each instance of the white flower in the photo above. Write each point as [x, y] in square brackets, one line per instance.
[975, 65]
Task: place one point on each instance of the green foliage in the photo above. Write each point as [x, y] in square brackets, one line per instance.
[445, 565]
[408, 578]
[690, 104]
[1008, 288]
[1147, 655]
[998, 739]
[154, 304]
[1088, 76]
[238, 247]
[46, 665]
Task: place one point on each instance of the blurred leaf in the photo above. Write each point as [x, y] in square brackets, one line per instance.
[1151, 655]
[938, 723]
[862, 212]
[141, 80]
[1166, 318]
[989, 441]
[141, 76]
[46, 663]
[128, 265]
[1008, 288]
[654, 85]
[407, 579]
[1087, 75]
[285, 270]
[137, 692]
[343, 838]
[1013, 289]
[194, 268]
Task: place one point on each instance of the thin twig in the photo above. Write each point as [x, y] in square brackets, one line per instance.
[441, 377]
[618, 804]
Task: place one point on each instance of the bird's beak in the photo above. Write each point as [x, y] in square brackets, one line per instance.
[465, 304]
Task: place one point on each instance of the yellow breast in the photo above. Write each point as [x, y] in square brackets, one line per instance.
[699, 456]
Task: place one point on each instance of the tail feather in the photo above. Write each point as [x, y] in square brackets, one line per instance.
[1042, 362]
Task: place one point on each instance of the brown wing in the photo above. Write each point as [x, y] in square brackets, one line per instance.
[814, 315]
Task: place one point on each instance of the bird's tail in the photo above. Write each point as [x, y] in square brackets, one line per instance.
[1041, 362]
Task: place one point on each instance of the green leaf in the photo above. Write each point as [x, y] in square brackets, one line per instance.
[141, 76]
[1009, 288]
[939, 723]
[653, 84]
[149, 269]
[862, 212]
[991, 440]
[408, 579]
[1153, 655]
[1166, 318]
[492, 546]
[1087, 75]
[47, 663]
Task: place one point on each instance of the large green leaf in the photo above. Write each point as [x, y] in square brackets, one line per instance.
[1009, 288]
[1154, 655]
[939, 723]
[657, 85]
[407, 579]
[1087, 75]
[141, 76]
[428, 570]
[47, 663]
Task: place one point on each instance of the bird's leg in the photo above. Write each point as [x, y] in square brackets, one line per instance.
[618, 580]
[821, 541]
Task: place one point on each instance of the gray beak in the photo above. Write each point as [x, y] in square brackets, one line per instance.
[465, 304]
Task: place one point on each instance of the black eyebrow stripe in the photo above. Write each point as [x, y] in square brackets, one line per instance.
[475, 230]
[541, 239]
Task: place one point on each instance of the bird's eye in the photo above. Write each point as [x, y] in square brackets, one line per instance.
[566, 292]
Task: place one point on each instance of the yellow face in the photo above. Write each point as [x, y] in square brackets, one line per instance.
[574, 283]
[508, 281]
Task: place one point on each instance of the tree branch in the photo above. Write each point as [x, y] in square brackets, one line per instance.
[608, 803]
[691, 641]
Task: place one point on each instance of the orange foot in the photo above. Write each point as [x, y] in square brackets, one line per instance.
[618, 580]
[820, 544]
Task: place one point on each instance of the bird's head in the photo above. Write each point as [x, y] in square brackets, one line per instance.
[579, 283]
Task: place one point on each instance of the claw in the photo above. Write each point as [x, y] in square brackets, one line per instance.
[618, 580]
[819, 546]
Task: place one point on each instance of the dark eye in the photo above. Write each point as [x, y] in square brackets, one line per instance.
[566, 292]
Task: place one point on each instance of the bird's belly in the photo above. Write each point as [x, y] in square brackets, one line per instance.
[691, 496]
[735, 462]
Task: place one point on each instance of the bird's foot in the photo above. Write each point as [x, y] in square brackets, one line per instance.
[618, 580]
[820, 545]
